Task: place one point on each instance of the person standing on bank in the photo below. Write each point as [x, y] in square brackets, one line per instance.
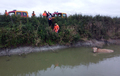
[33, 14]
[45, 14]
[6, 13]
[56, 28]
[49, 13]
[49, 19]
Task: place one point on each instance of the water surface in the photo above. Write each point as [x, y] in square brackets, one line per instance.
[78, 61]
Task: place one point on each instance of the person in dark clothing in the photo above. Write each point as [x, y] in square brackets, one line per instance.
[49, 13]
[49, 19]
[33, 14]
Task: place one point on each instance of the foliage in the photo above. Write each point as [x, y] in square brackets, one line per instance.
[17, 31]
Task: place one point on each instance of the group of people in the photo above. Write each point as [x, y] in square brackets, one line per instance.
[49, 17]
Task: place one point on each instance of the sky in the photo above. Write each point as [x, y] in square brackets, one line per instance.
[84, 7]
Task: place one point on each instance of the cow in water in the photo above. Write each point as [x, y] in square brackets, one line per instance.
[97, 50]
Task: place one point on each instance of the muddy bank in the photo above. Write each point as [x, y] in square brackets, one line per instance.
[29, 49]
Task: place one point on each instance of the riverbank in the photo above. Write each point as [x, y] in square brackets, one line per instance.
[30, 49]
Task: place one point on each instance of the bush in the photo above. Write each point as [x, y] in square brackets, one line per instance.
[16, 30]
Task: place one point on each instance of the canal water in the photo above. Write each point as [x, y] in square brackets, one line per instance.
[80, 61]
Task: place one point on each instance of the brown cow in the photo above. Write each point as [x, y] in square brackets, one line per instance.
[97, 50]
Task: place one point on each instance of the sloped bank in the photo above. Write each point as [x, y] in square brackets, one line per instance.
[29, 49]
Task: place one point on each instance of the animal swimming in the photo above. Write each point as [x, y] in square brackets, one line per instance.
[97, 50]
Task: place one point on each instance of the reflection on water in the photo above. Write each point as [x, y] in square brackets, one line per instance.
[65, 62]
[100, 69]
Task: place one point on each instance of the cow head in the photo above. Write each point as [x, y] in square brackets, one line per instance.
[95, 49]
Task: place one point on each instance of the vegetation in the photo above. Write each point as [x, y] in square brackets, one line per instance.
[17, 31]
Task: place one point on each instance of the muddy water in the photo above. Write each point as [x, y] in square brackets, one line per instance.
[65, 62]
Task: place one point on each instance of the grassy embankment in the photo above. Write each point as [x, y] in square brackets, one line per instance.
[18, 31]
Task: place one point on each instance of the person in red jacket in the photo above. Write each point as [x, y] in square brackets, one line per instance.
[6, 13]
[45, 14]
[33, 14]
[56, 28]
